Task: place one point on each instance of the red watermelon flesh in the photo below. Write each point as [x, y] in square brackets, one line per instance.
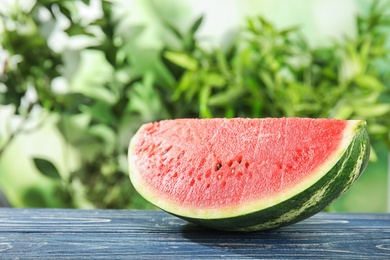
[217, 163]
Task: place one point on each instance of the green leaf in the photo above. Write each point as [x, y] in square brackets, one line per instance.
[203, 98]
[189, 40]
[343, 111]
[369, 82]
[378, 129]
[227, 97]
[372, 110]
[373, 155]
[145, 100]
[47, 168]
[268, 82]
[182, 59]
[215, 80]
[196, 25]
[187, 82]
[222, 62]
[289, 30]
[100, 111]
[70, 103]
[173, 29]
[65, 11]
[105, 134]
[76, 29]
[250, 25]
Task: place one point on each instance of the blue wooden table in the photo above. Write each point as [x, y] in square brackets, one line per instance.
[130, 234]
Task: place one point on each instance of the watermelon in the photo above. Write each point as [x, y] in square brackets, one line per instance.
[244, 174]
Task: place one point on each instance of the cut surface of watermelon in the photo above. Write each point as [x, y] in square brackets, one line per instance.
[217, 171]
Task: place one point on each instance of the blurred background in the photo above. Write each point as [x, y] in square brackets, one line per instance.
[77, 79]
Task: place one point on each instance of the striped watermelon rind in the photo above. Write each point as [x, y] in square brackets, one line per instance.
[313, 195]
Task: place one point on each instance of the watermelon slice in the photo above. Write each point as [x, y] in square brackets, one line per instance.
[247, 174]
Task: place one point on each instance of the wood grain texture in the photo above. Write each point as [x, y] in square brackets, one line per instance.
[131, 234]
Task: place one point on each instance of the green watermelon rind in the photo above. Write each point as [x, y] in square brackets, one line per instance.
[309, 202]
[333, 179]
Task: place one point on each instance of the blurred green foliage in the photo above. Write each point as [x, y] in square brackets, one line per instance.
[265, 72]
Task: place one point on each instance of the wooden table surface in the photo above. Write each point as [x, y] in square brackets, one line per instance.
[132, 234]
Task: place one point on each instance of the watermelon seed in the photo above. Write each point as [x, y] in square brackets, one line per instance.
[142, 142]
[201, 163]
[246, 165]
[299, 151]
[180, 155]
[239, 159]
[218, 166]
[219, 176]
[279, 165]
[167, 149]
[230, 163]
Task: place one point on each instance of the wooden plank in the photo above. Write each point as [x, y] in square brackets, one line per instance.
[126, 234]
